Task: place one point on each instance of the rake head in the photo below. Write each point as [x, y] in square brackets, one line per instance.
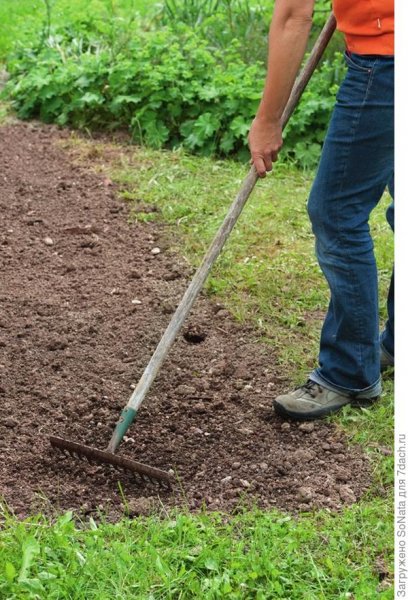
[93, 455]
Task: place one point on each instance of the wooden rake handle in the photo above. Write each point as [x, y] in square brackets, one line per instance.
[214, 250]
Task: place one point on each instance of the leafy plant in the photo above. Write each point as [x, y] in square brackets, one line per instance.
[221, 23]
[167, 88]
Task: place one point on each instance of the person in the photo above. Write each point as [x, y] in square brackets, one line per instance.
[356, 166]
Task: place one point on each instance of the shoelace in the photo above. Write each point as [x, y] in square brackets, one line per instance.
[311, 388]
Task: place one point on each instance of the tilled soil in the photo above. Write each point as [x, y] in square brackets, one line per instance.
[83, 303]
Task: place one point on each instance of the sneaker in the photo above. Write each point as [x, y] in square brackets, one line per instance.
[311, 401]
[386, 361]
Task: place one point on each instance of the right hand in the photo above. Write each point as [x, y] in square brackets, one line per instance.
[265, 141]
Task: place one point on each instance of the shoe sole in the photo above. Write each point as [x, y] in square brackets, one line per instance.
[323, 412]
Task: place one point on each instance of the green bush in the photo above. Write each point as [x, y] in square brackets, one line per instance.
[246, 22]
[166, 88]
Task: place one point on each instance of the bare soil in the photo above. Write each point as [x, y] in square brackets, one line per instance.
[83, 303]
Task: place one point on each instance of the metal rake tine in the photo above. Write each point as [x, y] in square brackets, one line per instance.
[105, 457]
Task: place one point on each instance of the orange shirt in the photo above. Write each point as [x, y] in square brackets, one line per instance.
[368, 25]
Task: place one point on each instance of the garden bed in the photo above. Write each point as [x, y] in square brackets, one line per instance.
[83, 303]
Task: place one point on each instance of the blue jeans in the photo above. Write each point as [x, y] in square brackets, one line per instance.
[356, 166]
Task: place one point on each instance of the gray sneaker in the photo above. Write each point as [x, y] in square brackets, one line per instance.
[311, 401]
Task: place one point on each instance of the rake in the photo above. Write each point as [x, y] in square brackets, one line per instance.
[128, 414]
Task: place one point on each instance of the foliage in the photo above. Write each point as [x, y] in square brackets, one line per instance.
[167, 88]
[245, 21]
[222, 22]
[24, 22]
[307, 127]
[191, 74]
[252, 555]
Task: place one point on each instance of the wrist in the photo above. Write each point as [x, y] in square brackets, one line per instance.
[267, 117]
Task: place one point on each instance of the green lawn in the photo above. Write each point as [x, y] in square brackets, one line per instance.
[254, 555]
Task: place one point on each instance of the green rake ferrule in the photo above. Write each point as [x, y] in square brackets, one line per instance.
[125, 420]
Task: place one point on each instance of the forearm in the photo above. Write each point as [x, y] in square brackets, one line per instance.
[288, 37]
[287, 45]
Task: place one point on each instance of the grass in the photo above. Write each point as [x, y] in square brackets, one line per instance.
[21, 18]
[24, 20]
[253, 555]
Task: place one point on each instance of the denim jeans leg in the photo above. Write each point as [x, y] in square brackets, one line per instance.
[387, 336]
[355, 167]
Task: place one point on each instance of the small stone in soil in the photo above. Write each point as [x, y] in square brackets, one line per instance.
[245, 483]
[226, 480]
[307, 427]
[305, 494]
[285, 427]
[301, 455]
[155, 251]
[196, 431]
[245, 431]
[199, 408]
[9, 422]
[140, 507]
[48, 241]
[185, 390]
[347, 494]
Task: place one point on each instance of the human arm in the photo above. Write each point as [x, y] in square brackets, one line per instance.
[288, 35]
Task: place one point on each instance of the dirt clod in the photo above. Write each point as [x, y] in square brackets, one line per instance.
[305, 494]
[140, 507]
[307, 427]
[303, 455]
[346, 494]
